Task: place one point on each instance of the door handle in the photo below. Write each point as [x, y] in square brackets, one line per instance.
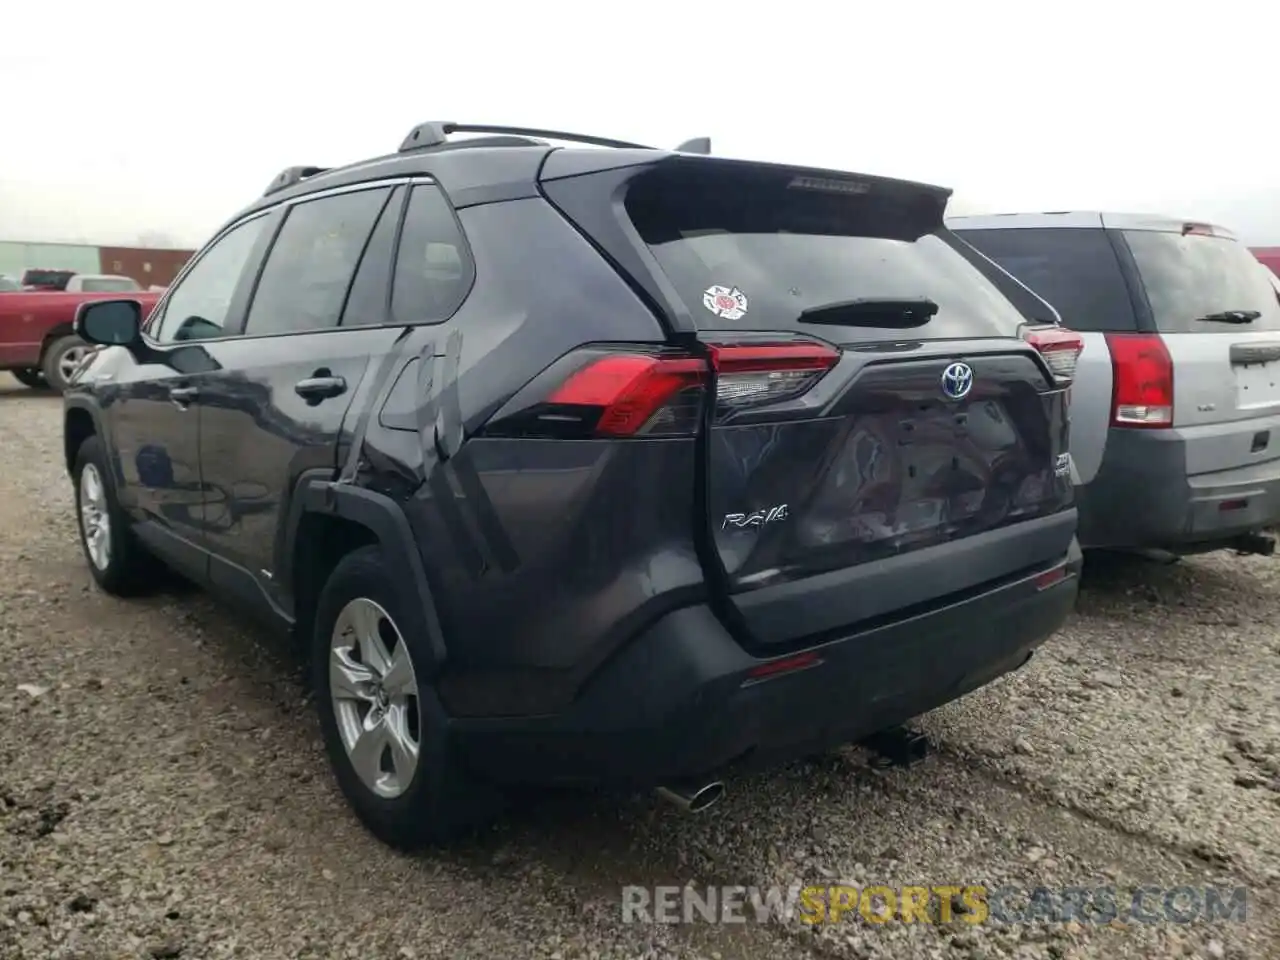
[315, 389]
[182, 396]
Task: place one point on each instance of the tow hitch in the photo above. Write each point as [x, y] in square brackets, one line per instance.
[1254, 543]
[897, 747]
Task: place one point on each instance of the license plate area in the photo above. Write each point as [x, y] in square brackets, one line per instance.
[918, 473]
[1257, 384]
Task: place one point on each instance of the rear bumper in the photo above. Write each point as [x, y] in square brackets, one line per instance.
[1142, 496]
[678, 701]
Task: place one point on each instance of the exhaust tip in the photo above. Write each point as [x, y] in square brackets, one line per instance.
[706, 797]
[693, 799]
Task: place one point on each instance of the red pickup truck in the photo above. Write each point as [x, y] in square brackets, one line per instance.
[1269, 256]
[37, 342]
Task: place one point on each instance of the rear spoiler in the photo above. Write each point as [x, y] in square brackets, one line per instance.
[912, 208]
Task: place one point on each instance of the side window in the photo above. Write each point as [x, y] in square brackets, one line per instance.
[1076, 270]
[197, 307]
[367, 301]
[312, 262]
[434, 270]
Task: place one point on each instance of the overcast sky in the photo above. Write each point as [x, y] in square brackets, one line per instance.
[135, 118]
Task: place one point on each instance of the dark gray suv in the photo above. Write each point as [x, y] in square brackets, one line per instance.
[573, 465]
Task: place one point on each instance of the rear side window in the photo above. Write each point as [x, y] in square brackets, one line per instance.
[748, 250]
[1076, 270]
[312, 262]
[434, 270]
[370, 291]
[1190, 279]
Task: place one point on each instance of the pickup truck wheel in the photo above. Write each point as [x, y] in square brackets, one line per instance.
[119, 564]
[61, 359]
[30, 377]
[384, 728]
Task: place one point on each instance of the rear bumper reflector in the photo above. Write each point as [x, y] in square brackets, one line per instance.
[778, 668]
[1050, 578]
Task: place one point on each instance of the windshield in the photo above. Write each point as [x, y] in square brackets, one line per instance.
[107, 284]
[8, 284]
[757, 257]
[1193, 276]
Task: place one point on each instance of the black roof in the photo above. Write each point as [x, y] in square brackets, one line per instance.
[501, 164]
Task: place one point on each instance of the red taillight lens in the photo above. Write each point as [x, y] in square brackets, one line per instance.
[1061, 350]
[631, 390]
[766, 373]
[1142, 375]
[647, 395]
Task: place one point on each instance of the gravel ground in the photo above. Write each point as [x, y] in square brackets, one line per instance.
[163, 792]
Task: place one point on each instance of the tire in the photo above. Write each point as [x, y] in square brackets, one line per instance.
[407, 801]
[30, 377]
[59, 359]
[124, 568]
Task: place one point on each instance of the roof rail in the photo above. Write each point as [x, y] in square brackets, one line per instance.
[291, 175]
[435, 133]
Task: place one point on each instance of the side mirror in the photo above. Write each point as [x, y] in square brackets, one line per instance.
[110, 323]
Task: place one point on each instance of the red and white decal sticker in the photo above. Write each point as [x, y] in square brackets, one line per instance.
[727, 303]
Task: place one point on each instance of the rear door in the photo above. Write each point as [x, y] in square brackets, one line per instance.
[880, 437]
[1218, 315]
[274, 405]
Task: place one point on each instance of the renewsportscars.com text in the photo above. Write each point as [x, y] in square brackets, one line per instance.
[936, 903]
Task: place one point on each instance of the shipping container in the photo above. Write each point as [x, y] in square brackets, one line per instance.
[17, 257]
[150, 267]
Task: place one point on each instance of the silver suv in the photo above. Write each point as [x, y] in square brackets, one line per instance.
[1175, 432]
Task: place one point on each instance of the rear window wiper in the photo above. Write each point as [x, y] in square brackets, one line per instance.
[900, 313]
[1231, 316]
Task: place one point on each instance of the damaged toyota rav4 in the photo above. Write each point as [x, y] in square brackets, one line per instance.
[573, 461]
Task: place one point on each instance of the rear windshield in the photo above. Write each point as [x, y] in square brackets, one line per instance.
[1075, 269]
[107, 285]
[750, 254]
[47, 278]
[1194, 276]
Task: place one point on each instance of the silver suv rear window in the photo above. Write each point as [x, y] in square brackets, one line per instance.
[1190, 277]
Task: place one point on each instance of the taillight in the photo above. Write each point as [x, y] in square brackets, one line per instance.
[767, 373]
[631, 394]
[636, 394]
[1142, 381]
[1061, 350]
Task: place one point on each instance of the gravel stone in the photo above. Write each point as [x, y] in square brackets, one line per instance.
[166, 795]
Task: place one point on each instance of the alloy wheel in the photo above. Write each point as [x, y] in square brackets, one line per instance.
[95, 520]
[70, 360]
[374, 693]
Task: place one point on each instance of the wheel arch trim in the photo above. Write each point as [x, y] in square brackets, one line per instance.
[382, 517]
